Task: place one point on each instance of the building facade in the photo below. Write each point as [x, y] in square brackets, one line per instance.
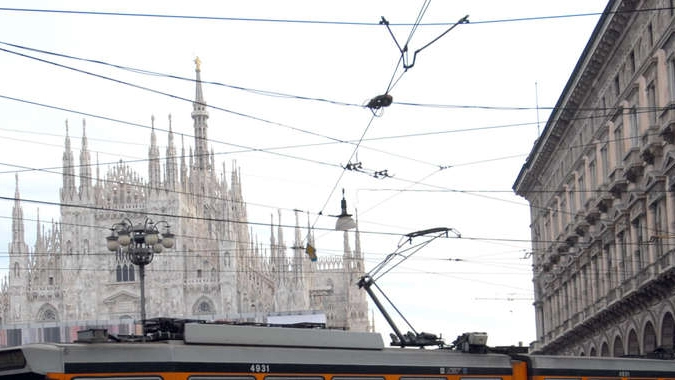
[600, 182]
[215, 271]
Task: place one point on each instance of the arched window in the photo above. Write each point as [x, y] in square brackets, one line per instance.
[125, 273]
[604, 351]
[47, 313]
[203, 306]
[649, 339]
[132, 273]
[617, 349]
[633, 344]
[667, 331]
[118, 273]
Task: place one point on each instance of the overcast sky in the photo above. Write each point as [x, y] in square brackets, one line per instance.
[463, 120]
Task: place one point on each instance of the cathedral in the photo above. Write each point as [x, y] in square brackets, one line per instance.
[216, 270]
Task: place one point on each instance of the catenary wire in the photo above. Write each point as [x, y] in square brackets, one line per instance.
[318, 22]
[236, 113]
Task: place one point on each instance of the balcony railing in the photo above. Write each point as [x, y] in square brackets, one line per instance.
[617, 182]
[634, 165]
[652, 144]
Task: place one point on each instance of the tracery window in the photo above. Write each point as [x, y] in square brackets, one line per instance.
[203, 306]
[47, 313]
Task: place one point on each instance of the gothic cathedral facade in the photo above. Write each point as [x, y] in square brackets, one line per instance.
[216, 270]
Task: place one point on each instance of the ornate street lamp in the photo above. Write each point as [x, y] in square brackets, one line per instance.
[140, 243]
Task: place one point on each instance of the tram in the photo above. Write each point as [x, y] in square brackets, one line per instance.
[216, 351]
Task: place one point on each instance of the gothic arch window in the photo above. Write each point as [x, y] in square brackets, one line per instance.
[604, 351]
[203, 306]
[649, 338]
[633, 343]
[617, 349]
[47, 313]
[592, 353]
[667, 331]
[125, 273]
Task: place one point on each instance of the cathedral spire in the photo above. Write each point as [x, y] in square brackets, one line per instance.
[17, 216]
[153, 160]
[200, 115]
[273, 242]
[358, 255]
[68, 190]
[171, 174]
[85, 165]
[183, 167]
[39, 239]
[310, 235]
[199, 94]
[98, 172]
[298, 251]
[280, 234]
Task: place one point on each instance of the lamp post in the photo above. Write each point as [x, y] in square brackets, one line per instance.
[140, 243]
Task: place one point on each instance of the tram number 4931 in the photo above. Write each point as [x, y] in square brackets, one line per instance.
[624, 373]
[260, 368]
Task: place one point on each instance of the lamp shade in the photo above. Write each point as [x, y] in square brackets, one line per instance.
[124, 238]
[151, 237]
[168, 240]
[112, 243]
[345, 223]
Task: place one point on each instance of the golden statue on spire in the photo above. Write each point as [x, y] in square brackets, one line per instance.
[198, 62]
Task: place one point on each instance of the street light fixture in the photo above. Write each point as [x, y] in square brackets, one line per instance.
[140, 243]
[344, 221]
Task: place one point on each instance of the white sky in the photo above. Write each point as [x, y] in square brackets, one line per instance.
[478, 64]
